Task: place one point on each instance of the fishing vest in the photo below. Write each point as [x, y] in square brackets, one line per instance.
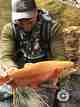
[33, 46]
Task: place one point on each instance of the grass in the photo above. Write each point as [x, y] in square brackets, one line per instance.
[4, 12]
[67, 15]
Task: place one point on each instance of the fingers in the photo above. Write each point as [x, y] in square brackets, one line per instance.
[4, 77]
[2, 71]
[12, 83]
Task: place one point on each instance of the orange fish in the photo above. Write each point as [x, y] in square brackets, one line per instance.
[34, 74]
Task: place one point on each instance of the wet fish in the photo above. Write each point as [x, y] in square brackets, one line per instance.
[34, 74]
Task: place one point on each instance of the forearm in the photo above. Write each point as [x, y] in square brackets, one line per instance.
[57, 42]
[7, 61]
[7, 46]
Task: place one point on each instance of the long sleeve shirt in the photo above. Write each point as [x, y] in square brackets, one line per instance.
[7, 45]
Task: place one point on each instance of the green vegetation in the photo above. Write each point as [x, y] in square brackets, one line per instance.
[67, 15]
[4, 12]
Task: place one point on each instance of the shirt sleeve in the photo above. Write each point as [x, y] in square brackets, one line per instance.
[7, 46]
[57, 42]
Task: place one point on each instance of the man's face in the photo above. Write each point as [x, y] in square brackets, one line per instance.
[27, 23]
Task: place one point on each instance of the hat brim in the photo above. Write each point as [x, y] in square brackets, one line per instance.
[21, 15]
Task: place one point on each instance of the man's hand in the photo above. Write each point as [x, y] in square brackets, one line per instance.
[4, 78]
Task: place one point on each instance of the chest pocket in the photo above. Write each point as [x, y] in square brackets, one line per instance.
[29, 48]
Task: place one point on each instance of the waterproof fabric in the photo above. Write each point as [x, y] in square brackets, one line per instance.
[6, 96]
[6, 103]
[5, 92]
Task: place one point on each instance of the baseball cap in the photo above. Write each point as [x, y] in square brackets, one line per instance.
[23, 9]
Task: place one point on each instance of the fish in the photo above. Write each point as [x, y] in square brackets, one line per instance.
[33, 74]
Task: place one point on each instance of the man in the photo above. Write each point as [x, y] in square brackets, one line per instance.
[28, 39]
